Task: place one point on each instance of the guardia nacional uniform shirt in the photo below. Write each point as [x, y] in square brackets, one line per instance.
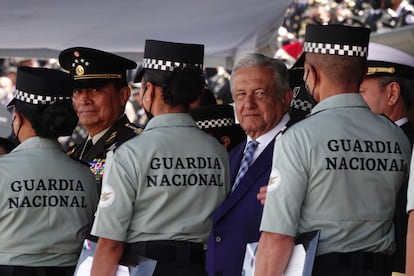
[339, 170]
[47, 201]
[163, 184]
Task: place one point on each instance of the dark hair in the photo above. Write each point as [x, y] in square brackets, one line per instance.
[7, 144]
[235, 133]
[207, 98]
[50, 121]
[179, 87]
[345, 69]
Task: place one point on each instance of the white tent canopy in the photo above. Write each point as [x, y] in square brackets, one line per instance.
[400, 38]
[42, 28]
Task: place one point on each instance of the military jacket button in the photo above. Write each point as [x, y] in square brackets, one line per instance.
[218, 239]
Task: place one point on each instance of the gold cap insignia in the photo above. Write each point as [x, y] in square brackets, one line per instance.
[80, 70]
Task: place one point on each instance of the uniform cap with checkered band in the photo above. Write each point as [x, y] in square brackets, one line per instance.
[338, 40]
[165, 56]
[334, 39]
[92, 68]
[213, 116]
[41, 86]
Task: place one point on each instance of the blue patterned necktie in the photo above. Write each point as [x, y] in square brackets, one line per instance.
[246, 162]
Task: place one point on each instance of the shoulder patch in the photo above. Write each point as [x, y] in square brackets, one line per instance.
[274, 180]
[107, 196]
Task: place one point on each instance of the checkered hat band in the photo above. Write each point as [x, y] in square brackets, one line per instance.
[165, 65]
[37, 99]
[223, 122]
[335, 49]
[301, 105]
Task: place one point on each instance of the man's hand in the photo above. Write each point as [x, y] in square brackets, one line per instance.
[261, 196]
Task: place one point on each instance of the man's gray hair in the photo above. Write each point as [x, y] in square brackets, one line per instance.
[278, 67]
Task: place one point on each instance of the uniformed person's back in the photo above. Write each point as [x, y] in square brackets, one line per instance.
[48, 199]
[161, 187]
[338, 170]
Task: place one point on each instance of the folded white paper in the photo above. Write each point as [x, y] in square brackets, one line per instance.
[294, 268]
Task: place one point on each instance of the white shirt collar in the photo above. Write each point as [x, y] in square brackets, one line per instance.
[401, 121]
[98, 136]
[265, 139]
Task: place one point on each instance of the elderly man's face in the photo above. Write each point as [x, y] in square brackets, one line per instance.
[99, 108]
[374, 95]
[258, 108]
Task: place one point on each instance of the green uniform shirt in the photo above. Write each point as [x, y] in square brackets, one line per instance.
[339, 170]
[163, 184]
[47, 200]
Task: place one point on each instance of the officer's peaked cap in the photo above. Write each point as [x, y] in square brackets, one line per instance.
[42, 86]
[388, 61]
[166, 56]
[92, 68]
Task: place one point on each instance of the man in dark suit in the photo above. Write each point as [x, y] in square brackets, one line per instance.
[388, 89]
[261, 93]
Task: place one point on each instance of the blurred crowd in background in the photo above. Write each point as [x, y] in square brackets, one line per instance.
[378, 15]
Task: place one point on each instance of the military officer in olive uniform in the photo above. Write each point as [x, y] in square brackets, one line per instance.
[160, 188]
[338, 170]
[47, 198]
[99, 97]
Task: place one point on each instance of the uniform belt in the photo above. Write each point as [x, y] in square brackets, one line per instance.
[10, 270]
[355, 260]
[164, 251]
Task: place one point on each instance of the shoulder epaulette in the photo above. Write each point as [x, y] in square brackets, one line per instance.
[133, 127]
